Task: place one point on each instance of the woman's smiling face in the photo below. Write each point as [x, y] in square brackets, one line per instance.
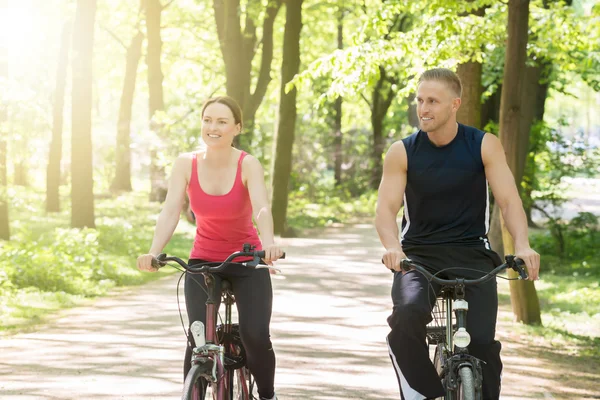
[219, 127]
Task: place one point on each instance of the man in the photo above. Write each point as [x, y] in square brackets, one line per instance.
[441, 174]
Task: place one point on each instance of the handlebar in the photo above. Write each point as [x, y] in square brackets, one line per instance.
[511, 262]
[257, 257]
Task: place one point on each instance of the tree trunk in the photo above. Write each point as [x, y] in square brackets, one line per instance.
[282, 165]
[20, 174]
[382, 97]
[238, 48]
[524, 298]
[82, 184]
[55, 155]
[413, 118]
[122, 179]
[469, 112]
[469, 73]
[153, 10]
[378, 148]
[337, 109]
[490, 111]
[534, 97]
[158, 176]
[4, 221]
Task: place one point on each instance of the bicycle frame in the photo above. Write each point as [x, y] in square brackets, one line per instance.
[221, 377]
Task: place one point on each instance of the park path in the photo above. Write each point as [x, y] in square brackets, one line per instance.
[328, 330]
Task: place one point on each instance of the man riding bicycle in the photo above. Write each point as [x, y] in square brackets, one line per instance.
[441, 175]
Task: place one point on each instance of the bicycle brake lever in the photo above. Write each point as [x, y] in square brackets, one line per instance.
[255, 261]
[268, 267]
[519, 266]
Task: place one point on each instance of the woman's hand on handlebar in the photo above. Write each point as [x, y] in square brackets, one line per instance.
[144, 263]
[272, 252]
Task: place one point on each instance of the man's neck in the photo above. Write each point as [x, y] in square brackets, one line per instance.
[444, 135]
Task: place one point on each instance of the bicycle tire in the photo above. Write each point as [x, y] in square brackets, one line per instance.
[466, 384]
[239, 384]
[195, 386]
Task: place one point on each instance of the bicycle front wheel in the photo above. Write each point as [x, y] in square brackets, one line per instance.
[466, 384]
[240, 386]
[195, 386]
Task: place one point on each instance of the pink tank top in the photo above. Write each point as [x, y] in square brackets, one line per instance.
[223, 223]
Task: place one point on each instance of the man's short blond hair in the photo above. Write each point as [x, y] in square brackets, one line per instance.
[443, 75]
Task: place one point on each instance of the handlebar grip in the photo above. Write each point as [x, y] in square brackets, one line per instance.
[405, 265]
[158, 261]
[519, 267]
[261, 254]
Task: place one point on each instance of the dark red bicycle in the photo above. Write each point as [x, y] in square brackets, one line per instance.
[219, 368]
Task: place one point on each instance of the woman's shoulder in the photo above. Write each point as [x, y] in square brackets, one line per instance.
[249, 159]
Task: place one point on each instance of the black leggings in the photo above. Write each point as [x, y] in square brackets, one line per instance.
[254, 300]
[413, 298]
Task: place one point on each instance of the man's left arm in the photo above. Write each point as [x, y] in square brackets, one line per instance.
[506, 195]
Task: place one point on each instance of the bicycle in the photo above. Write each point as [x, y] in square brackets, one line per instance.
[218, 359]
[460, 372]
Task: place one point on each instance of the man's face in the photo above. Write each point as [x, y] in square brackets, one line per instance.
[436, 103]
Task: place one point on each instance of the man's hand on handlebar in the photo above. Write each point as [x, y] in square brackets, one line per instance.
[392, 257]
[532, 261]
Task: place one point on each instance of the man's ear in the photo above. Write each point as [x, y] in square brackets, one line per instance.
[456, 102]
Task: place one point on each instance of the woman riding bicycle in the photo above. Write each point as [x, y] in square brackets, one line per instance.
[226, 188]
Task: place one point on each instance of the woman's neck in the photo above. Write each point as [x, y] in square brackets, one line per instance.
[218, 156]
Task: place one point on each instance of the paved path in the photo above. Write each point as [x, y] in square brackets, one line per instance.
[328, 331]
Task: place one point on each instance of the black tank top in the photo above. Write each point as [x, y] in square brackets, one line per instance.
[446, 200]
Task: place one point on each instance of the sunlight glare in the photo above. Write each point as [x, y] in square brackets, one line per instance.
[20, 27]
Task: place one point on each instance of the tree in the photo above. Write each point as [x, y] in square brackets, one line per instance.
[122, 179]
[382, 96]
[337, 109]
[55, 155]
[153, 10]
[282, 165]
[82, 184]
[470, 73]
[238, 47]
[524, 298]
[4, 221]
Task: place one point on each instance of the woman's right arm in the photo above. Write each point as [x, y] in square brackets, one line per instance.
[169, 215]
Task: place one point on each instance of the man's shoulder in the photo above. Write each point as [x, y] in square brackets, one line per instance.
[470, 132]
[410, 139]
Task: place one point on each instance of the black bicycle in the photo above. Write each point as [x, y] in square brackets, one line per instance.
[219, 368]
[460, 372]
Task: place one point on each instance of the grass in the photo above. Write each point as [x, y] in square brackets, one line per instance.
[47, 266]
[570, 315]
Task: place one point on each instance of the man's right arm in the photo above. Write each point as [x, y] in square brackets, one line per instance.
[389, 201]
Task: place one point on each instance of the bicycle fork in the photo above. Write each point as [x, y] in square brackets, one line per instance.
[457, 344]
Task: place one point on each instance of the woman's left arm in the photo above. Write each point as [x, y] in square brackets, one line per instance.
[255, 182]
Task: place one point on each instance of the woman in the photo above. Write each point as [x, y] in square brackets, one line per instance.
[226, 189]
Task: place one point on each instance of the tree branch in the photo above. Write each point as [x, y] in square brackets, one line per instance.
[114, 36]
[264, 75]
[367, 101]
[167, 5]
